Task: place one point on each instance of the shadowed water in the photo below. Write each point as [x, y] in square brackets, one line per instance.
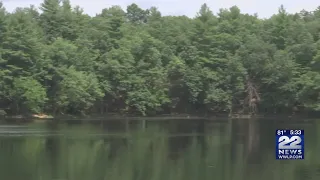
[188, 149]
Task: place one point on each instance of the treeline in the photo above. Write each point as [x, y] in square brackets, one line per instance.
[60, 60]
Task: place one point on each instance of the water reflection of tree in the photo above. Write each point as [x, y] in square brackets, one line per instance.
[236, 150]
[52, 146]
[253, 141]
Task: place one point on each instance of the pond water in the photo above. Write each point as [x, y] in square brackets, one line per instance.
[164, 149]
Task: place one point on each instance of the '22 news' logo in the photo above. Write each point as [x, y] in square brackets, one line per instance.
[289, 144]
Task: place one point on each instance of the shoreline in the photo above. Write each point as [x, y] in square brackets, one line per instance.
[165, 117]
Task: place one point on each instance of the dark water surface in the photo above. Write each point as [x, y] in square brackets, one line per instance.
[188, 149]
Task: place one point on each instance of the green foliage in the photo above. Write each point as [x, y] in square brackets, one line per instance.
[29, 93]
[77, 90]
[138, 61]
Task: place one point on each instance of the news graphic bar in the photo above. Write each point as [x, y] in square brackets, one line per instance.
[289, 144]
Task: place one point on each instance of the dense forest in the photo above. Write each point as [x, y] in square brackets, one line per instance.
[60, 60]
